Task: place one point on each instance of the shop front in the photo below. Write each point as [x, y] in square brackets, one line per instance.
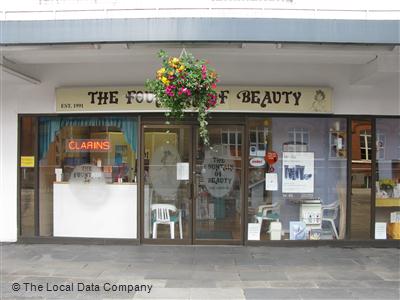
[281, 168]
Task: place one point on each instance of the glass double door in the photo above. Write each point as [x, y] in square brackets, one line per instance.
[192, 193]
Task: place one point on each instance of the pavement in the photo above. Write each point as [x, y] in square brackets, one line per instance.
[197, 272]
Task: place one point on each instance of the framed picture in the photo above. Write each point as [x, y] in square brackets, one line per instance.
[298, 230]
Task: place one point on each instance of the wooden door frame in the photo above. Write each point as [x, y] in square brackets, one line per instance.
[242, 224]
[158, 121]
[175, 241]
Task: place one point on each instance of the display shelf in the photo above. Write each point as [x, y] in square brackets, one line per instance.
[387, 202]
[337, 144]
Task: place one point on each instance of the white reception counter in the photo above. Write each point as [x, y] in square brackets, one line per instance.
[106, 211]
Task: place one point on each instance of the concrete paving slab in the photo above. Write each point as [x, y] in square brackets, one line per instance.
[379, 284]
[292, 284]
[389, 275]
[307, 275]
[325, 294]
[271, 293]
[353, 275]
[205, 272]
[172, 274]
[241, 284]
[374, 293]
[339, 284]
[217, 293]
[204, 275]
[191, 283]
[165, 293]
[261, 275]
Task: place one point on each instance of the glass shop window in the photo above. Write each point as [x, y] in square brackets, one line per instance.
[297, 190]
[82, 157]
[28, 137]
[387, 200]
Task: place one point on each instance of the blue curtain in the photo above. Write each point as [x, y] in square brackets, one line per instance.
[50, 126]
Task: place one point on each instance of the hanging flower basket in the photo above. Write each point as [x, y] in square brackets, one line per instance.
[185, 84]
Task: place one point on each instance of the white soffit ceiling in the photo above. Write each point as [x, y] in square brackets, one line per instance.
[224, 53]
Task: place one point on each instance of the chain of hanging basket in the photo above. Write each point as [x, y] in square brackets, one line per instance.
[185, 83]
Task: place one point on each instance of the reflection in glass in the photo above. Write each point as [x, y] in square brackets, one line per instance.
[28, 136]
[279, 215]
[218, 185]
[167, 183]
[361, 180]
[388, 176]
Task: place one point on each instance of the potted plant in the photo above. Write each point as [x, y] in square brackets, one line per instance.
[185, 84]
[387, 185]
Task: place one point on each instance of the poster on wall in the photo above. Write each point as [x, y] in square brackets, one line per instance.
[182, 171]
[298, 172]
[253, 231]
[271, 181]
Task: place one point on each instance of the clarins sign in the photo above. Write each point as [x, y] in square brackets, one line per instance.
[88, 145]
[230, 99]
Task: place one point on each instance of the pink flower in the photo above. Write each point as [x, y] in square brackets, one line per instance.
[212, 101]
[169, 90]
[214, 86]
[203, 71]
[184, 91]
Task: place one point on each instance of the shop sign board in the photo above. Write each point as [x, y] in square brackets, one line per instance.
[230, 99]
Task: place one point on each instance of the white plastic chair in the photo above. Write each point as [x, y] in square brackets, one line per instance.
[329, 214]
[162, 216]
[264, 210]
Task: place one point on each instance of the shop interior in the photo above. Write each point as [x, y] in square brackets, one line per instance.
[67, 144]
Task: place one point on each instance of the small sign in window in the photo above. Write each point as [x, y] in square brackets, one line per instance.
[27, 161]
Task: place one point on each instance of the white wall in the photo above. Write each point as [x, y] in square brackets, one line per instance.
[15, 98]
[95, 9]
[377, 98]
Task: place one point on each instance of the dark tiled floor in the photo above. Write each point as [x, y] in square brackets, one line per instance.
[200, 272]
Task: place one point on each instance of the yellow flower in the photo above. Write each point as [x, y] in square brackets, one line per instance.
[171, 73]
[175, 60]
[162, 70]
[181, 68]
[165, 80]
